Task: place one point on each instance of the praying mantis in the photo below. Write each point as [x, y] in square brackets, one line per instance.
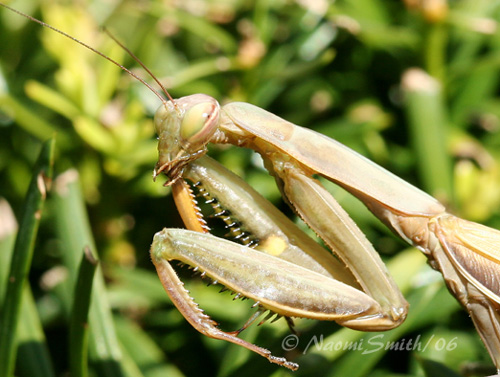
[462, 251]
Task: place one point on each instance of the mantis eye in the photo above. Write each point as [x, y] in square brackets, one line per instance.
[199, 123]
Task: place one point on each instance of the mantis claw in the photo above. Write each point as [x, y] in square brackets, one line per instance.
[284, 362]
[197, 318]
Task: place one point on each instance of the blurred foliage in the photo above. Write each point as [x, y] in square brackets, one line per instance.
[412, 85]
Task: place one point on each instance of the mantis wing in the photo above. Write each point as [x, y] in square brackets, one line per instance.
[333, 160]
[473, 249]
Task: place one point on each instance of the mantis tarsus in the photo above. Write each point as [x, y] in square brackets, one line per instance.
[464, 252]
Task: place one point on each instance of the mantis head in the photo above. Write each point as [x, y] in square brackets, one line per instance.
[184, 128]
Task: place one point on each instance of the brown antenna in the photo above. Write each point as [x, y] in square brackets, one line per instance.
[102, 55]
[141, 63]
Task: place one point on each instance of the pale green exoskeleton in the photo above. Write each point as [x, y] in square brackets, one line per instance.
[293, 277]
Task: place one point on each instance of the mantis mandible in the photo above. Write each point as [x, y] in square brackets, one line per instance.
[286, 272]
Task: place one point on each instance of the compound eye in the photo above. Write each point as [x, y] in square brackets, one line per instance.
[199, 123]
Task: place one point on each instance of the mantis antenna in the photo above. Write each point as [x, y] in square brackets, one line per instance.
[106, 57]
[133, 56]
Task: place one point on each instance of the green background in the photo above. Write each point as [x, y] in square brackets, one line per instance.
[340, 68]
